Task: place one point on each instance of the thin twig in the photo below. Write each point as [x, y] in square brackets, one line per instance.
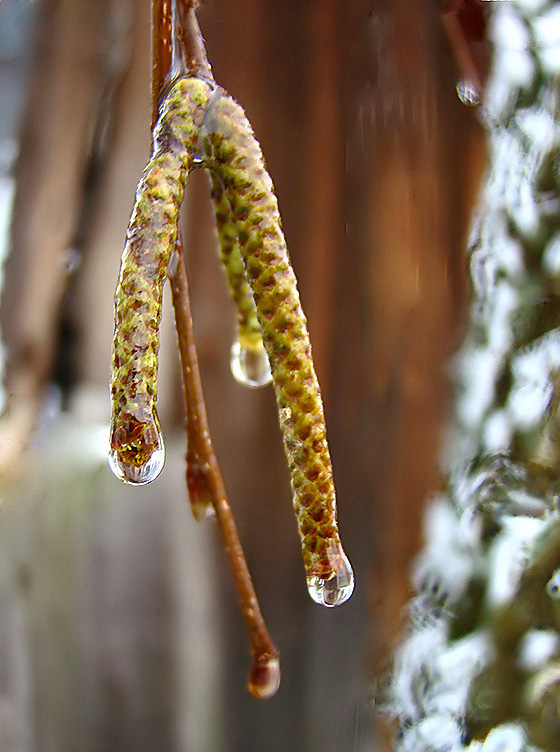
[192, 41]
[162, 50]
[204, 479]
[265, 672]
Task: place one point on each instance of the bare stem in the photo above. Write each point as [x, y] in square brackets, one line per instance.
[265, 672]
[162, 49]
[192, 41]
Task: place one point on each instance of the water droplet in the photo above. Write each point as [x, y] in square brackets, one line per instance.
[137, 456]
[468, 93]
[137, 475]
[553, 585]
[336, 590]
[250, 366]
[264, 678]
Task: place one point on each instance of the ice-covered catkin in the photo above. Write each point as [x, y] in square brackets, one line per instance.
[249, 361]
[230, 256]
[136, 445]
[235, 157]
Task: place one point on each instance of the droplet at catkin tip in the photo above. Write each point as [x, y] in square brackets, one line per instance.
[335, 590]
[250, 367]
[138, 475]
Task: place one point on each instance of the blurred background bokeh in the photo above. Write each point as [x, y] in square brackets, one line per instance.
[119, 627]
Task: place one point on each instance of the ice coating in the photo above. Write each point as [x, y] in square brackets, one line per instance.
[236, 160]
[150, 240]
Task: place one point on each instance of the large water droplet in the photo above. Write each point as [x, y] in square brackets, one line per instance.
[468, 93]
[337, 589]
[138, 475]
[264, 678]
[137, 452]
[250, 366]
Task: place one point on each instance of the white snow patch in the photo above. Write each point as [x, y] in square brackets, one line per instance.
[510, 737]
[530, 6]
[540, 127]
[537, 648]
[508, 556]
[551, 257]
[547, 28]
[532, 387]
[507, 29]
[439, 732]
[412, 657]
[457, 665]
[497, 432]
[550, 59]
[479, 368]
[446, 562]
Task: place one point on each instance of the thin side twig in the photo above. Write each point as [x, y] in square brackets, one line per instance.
[264, 677]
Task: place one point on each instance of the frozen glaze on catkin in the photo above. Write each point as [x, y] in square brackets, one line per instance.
[136, 446]
[230, 256]
[235, 157]
[249, 361]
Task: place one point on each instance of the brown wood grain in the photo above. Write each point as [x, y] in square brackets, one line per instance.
[57, 129]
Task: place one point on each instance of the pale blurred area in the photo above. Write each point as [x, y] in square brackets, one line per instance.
[119, 629]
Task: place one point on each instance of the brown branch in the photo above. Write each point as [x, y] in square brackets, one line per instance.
[192, 41]
[162, 50]
[204, 480]
[204, 473]
[465, 27]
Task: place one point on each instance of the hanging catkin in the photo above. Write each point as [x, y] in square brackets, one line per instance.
[136, 444]
[201, 122]
[235, 157]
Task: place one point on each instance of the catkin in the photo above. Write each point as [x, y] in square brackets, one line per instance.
[235, 157]
[230, 256]
[150, 239]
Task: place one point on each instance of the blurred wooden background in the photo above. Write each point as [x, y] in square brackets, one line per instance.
[119, 627]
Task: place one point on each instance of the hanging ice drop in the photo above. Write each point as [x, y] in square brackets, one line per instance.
[250, 366]
[137, 454]
[468, 92]
[134, 474]
[335, 590]
[264, 678]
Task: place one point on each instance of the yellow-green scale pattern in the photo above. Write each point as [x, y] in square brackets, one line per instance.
[150, 239]
[235, 156]
[230, 256]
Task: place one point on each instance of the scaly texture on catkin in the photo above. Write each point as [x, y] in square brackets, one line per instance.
[235, 157]
[230, 256]
[150, 239]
